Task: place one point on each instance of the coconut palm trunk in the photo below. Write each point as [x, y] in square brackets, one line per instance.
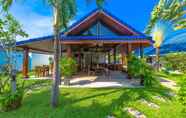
[56, 74]
[158, 58]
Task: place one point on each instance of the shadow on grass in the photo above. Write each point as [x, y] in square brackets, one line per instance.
[83, 103]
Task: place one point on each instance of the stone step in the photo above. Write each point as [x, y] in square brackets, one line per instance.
[150, 104]
[135, 113]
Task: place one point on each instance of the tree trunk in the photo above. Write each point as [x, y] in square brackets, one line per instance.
[158, 58]
[56, 74]
[13, 81]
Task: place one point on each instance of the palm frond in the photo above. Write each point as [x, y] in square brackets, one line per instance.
[181, 24]
[6, 4]
[168, 10]
[99, 3]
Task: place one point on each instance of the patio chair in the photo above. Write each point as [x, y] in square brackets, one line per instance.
[45, 70]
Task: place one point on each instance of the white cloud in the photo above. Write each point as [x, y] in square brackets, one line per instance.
[34, 24]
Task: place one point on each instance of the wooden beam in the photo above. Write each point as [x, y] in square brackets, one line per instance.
[129, 48]
[141, 51]
[109, 57]
[122, 55]
[36, 49]
[114, 55]
[25, 63]
[88, 41]
[69, 51]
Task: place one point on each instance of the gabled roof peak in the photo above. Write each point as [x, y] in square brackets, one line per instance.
[105, 16]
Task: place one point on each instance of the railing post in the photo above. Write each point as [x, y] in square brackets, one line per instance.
[69, 51]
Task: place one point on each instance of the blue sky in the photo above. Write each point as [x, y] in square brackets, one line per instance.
[36, 16]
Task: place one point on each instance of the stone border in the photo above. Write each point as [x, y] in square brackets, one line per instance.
[135, 113]
[150, 104]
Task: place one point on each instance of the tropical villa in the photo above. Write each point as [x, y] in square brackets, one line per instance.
[98, 41]
[96, 65]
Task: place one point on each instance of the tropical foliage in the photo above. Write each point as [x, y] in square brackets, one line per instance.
[174, 61]
[10, 100]
[168, 10]
[11, 93]
[182, 94]
[138, 68]
[68, 66]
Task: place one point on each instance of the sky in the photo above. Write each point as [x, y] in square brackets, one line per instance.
[36, 15]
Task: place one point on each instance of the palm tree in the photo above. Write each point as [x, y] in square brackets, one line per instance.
[172, 11]
[63, 11]
[158, 37]
[168, 10]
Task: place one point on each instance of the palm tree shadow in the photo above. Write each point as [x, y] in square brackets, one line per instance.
[100, 103]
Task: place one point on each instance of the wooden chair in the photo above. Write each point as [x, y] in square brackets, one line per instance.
[45, 70]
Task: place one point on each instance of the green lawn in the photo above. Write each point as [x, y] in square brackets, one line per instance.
[95, 103]
[174, 77]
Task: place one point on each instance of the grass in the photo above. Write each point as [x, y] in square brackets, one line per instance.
[95, 103]
[174, 77]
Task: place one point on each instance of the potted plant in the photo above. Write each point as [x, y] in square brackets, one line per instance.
[68, 68]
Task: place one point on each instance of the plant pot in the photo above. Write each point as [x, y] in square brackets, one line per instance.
[142, 81]
[67, 81]
[129, 76]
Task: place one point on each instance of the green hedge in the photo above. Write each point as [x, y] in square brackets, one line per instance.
[174, 61]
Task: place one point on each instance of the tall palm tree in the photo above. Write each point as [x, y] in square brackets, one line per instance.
[63, 11]
[158, 37]
[167, 10]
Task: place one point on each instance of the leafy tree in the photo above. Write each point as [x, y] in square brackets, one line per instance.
[10, 29]
[11, 95]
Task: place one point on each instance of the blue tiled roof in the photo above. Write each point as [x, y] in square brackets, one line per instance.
[169, 48]
[174, 43]
[44, 38]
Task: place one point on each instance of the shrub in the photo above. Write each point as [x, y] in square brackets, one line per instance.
[182, 93]
[10, 100]
[138, 68]
[174, 61]
[68, 66]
